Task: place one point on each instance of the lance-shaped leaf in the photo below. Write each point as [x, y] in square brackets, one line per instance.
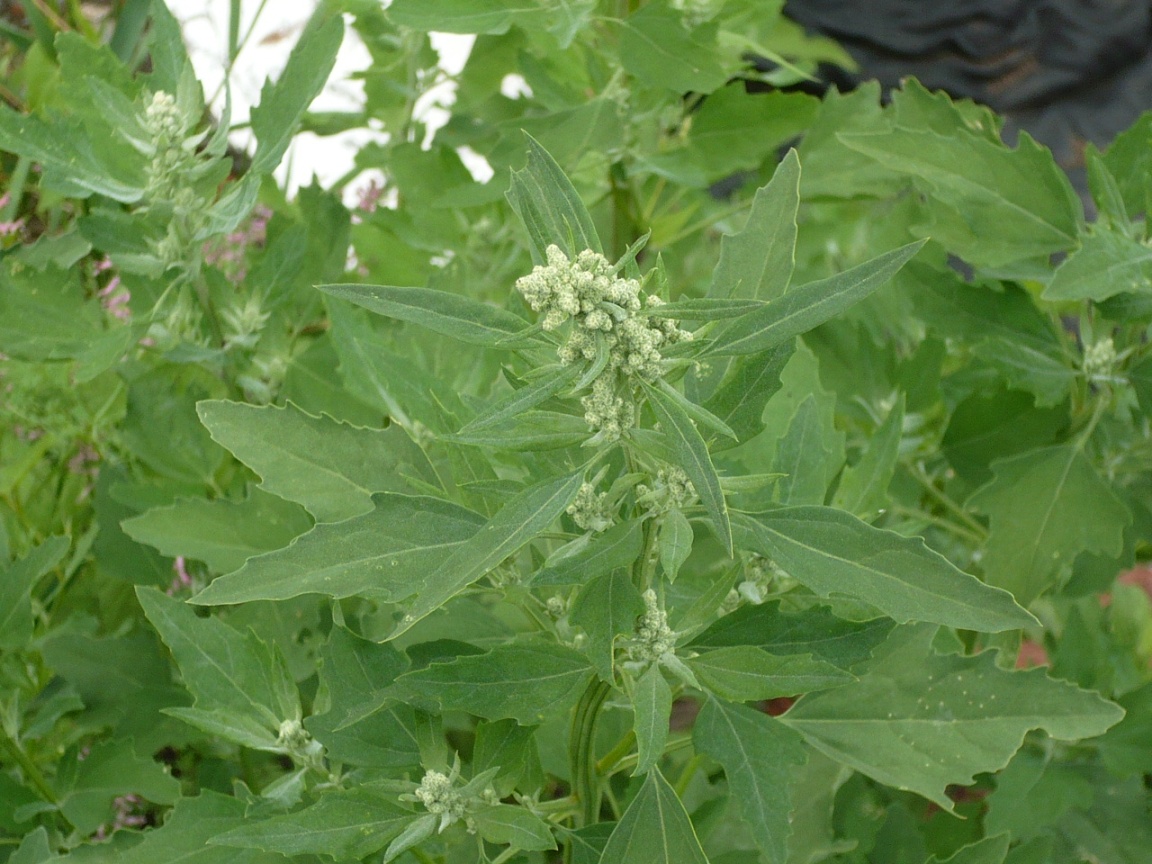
[532, 430]
[617, 547]
[655, 829]
[520, 401]
[284, 102]
[439, 311]
[692, 455]
[920, 721]
[329, 467]
[808, 306]
[1046, 507]
[387, 554]
[549, 206]
[757, 262]
[651, 709]
[745, 673]
[834, 553]
[231, 675]
[814, 631]
[745, 389]
[758, 755]
[703, 308]
[16, 583]
[607, 608]
[520, 520]
[344, 823]
[526, 680]
[863, 488]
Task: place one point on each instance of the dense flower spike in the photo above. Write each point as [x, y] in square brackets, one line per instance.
[590, 510]
[653, 638]
[604, 310]
[440, 797]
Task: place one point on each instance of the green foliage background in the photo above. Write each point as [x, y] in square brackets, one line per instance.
[273, 559]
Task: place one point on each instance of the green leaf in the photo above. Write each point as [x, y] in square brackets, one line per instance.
[187, 832]
[698, 414]
[344, 823]
[510, 748]
[560, 17]
[549, 206]
[1029, 367]
[744, 673]
[70, 157]
[606, 608]
[224, 670]
[1106, 264]
[745, 389]
[807, 306]
[43, 313]
[652, 709]
[223, 534]
[441, 312]
[674, 543]
[757, 262]
[662, 51]
[619, 546]
[834, 553]
[529, 431]
[921, 721]
[511, 825]
[692, 455]
[759, 756]
[16, 583]
[388, 554]
[111, 769]
[1005, 205]
[990, 850]
[526, 515]
[525, 679]
[863, 488]
[655, 829]
[283, 103]
[1045, 507]
[520, 401]
[329, 467]
[702, 308]
[802, 457]
[814, 631]
[416, 833]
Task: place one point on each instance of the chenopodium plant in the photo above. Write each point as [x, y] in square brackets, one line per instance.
[559, 626]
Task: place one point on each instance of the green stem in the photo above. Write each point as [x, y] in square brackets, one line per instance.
[951, 527]
[31, 772]
[630, 761]
[582, 752]
[687, 774]
[622, 749]
[951, 506]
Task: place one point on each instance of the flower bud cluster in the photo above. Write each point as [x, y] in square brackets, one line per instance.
[671, 490]
[1099, 359]
[604, 309]
[167, 130]
[653, 637]
[591, 511]
[440, 797]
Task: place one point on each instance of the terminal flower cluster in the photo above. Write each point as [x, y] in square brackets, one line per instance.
[653, 638]
[604, 309]
[440, 797]
[165, 125]
[591, 511]
[671, 489]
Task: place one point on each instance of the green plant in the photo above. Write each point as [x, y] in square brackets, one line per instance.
[530, 558]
